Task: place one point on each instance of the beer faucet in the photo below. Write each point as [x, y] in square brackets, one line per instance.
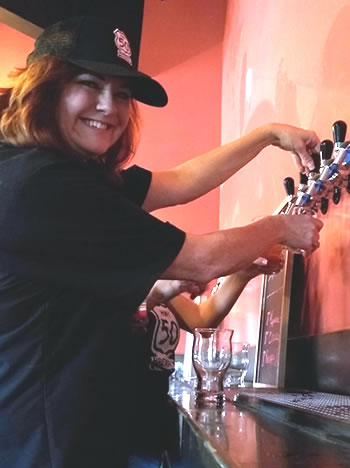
[339, 129]
[306, 197]
[302, 187]
[326, 151]
[338, 177]
[345, 170]
[288, 183]
[339, 132]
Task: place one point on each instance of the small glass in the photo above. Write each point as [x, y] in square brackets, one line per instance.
[211, 357]
[239, 365]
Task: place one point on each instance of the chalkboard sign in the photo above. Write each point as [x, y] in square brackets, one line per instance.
[273, 327]
[270, 362]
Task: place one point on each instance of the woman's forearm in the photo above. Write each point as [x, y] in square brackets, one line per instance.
[198, 176]
[209, 256]
[211, 312]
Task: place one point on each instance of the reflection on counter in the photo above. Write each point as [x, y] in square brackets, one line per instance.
[213, 421]
[237, 436]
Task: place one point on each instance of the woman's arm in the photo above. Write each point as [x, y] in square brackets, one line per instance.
[164, 290]
[209, 256]
[198, 176]
[211, 312]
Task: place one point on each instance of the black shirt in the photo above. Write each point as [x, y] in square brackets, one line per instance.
[77, 256]
[155, 339]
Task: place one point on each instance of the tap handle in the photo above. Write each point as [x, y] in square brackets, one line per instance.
[324, 205]
[326, 150]
[317, 161]
[339, 131]
[288, 183]
[303, 178]
[336, 195]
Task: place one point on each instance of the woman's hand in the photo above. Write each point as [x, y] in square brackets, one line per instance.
[301, 143]
[274, 261]
[164, 290]
[301, 232]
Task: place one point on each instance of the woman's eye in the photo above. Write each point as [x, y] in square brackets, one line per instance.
[124, 95]
[89, 84]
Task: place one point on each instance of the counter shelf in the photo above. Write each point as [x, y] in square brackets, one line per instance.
[264, 428]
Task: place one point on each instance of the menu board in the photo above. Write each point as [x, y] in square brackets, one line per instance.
[273, 327]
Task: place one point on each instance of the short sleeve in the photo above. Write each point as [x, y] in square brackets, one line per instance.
[66, 226]
[136, 182]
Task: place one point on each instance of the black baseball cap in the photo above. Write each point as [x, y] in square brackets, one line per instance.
[96, 45]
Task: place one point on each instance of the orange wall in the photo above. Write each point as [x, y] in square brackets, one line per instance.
[14, 48]
[182, 47]
[287, 61]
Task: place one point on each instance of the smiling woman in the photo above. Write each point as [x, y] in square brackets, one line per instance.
[55, 102]
[79, 250]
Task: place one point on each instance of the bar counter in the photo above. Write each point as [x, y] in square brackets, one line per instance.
[254, 429]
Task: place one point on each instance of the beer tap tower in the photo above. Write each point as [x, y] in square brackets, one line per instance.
[333, 174]
[282, 295]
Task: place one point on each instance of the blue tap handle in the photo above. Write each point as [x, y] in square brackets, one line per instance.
[319, 185]
[305, 199]
[347, 158]
[333, 169]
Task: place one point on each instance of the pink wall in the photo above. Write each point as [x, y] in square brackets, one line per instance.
[182, 47]
[14, 47]
[287, 62]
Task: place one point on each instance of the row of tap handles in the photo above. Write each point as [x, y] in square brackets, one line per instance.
[326, 181]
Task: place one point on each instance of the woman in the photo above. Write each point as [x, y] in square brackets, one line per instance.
[156, 336]
[78, 250]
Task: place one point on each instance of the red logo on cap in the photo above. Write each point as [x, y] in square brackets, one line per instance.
[123, 46]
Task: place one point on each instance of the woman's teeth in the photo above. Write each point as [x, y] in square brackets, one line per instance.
[95, 124]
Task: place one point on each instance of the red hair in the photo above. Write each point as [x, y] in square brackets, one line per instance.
[28, 111]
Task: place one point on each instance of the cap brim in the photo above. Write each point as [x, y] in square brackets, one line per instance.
[144, 88]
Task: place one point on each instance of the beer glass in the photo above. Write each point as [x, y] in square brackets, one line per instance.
[239, 365]
[211, 357]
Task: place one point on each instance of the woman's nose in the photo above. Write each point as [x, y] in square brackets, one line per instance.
[105, 102]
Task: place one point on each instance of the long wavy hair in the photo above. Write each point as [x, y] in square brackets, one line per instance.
[28, 111]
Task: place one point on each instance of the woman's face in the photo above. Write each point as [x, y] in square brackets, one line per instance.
[93, 112]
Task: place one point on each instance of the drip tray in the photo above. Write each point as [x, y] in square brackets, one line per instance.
[324, 404]
[324, 414]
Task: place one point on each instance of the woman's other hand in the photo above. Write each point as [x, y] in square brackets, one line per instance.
[300, 142]
[164, 290]
[270, 264]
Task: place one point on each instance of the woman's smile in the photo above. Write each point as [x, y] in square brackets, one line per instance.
[96, 124]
